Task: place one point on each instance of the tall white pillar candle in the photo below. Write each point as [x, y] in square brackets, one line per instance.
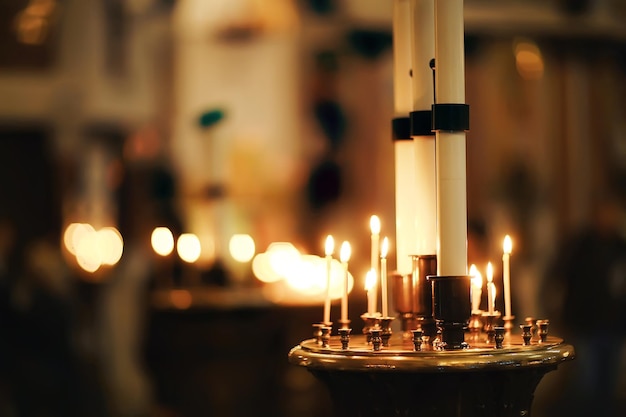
[450, 146]
[404, 158]
[422, 52]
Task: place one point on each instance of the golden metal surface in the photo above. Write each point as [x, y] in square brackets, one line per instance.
[399, 356]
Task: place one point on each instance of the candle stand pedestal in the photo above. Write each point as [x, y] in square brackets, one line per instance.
[401, 381]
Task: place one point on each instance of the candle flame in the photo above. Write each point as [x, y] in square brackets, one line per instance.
[477, 277]
[489, 272]
[507, 245]
[330, 245]
[370, 280]
[345, 252]
[375, 224]
[384, 248]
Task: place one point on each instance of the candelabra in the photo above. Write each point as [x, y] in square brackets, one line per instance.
[431, 368]
[494, 373]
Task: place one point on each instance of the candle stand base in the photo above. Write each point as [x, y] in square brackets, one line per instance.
[508, 327]
[402, 381]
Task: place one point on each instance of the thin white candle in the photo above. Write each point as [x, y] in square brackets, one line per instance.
[491, 290]
[370, 283]
[383, 276]
[507, 247]
[450, 146]
[375, 230]
[344, 257]
[476, 288]
[328, 250]
[422, 51]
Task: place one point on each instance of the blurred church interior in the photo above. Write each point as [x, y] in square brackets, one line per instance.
[237, 125]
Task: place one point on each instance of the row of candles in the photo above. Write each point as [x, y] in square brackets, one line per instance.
[378, 267]
[477, 282]
[371, 279]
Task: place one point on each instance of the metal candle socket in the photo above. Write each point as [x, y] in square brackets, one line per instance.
[344, 337]
[423, 267]
[543, 330]
[451, 308]
[417, 340]
[385, 325]
[499, 336]
[402, 290]
[326, 335]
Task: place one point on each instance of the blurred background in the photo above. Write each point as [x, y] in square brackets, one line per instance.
[232, 125]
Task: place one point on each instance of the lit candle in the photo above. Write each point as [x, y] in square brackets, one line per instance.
[507, 247]
[328, 250]
[344, 257]
[370, 284]
[491, 290]
[374, 265]
[383, 275]
[476, 288]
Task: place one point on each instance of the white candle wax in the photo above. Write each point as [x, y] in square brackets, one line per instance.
[404, 158]
[383, 276]
[406, 202]
[423, 50]
[491, 289]
[375, 230]
[344, 257]
[451, 159]
[328, 250]
[507, 247]
[402, 57]
[370, 283]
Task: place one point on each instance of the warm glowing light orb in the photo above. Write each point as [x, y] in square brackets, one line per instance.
[162, 241]
[309, 277]
[263, 270]
[188, 247]
[88, 254]
[241, 247]
[284, 258]
[110, 244]
[74, 233]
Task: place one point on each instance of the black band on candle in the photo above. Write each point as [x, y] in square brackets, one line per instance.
[401, 128]
[451, 117]
[422, 123]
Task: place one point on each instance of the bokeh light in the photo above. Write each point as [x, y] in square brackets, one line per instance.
[188, 247]
[241, 247]
[162, 241]
[110, 244]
